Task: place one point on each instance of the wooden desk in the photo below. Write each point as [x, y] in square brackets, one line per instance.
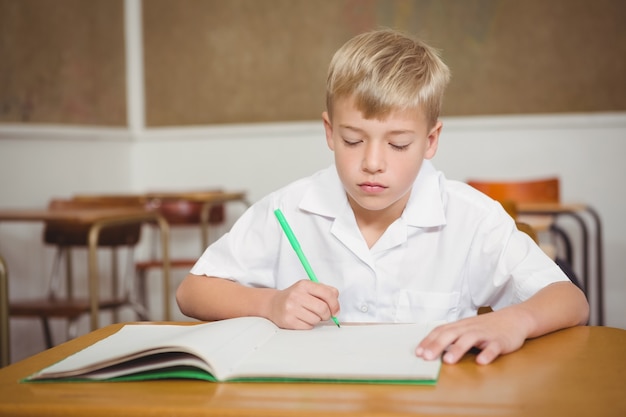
[98, 219]
[577, 212]
[574, 372]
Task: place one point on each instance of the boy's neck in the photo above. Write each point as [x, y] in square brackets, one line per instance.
[373, 223]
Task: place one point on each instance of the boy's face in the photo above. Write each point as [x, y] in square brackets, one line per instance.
[378, 160]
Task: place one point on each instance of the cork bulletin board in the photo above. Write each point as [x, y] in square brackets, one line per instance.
[62, 62]
[243, 61]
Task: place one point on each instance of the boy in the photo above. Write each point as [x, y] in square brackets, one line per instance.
[390, 239]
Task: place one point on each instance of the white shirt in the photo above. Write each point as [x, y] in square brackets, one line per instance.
[452, 251]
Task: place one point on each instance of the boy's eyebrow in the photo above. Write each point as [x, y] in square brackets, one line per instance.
[350, 127]
[396, 132]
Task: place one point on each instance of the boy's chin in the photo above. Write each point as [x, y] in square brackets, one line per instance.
[376, 203]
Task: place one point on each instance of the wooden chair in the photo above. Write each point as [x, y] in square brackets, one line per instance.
[60, 300]
[526, 191]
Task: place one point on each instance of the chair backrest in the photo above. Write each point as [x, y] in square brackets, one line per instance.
[545, 190]
[185, 212]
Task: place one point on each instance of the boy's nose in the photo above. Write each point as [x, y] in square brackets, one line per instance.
[373, 159]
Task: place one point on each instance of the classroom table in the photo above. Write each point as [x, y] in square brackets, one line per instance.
[573, 372]
[98, 219]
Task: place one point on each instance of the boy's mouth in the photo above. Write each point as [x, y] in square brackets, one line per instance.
[372, 187]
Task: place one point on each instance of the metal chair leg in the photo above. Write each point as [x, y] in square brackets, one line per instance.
[45, 324]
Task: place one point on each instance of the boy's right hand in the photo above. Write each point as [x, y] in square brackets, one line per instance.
[303, 305]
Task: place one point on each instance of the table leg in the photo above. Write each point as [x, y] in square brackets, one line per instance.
[566, 242]
[94, 233]
[205, 213]
[585, 243]
[599, 264]
[165, 239]
[5, 340]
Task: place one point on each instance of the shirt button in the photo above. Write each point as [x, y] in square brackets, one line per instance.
[364, 308]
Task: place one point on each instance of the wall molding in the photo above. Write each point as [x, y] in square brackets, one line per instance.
[303, 128]
[537, 121]
[63, 132]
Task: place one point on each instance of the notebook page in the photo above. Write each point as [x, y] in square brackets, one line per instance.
[219, 343]
[363, 352]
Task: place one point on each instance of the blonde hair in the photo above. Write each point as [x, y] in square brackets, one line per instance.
[385, 70]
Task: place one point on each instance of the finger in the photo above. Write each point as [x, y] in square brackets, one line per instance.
[316, 308]
[305, 305]
[287, 307]
[488, 354]
[298, 318]
[455, 351]
[433, 345]
[328, 295]
[307, 319]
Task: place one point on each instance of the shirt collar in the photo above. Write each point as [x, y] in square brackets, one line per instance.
[327, 197]
[425, 207]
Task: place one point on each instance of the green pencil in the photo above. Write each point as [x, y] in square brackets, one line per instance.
[296, 247]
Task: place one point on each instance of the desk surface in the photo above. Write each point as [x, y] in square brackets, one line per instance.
[198, 196]
[84, 216]
[578, 371]
[554, 208]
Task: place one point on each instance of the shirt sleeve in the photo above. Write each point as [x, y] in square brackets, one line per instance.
[246, 253]
[508, 267]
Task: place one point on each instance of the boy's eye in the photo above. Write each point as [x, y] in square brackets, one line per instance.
[399, 147]
[351, 142]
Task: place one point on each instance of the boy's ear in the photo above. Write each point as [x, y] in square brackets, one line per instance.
[328, 129]
[433, 140]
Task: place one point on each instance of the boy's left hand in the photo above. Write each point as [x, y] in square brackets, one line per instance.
[494, 333]
[504, 331]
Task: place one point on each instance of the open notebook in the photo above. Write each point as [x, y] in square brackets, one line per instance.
[252, 349]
